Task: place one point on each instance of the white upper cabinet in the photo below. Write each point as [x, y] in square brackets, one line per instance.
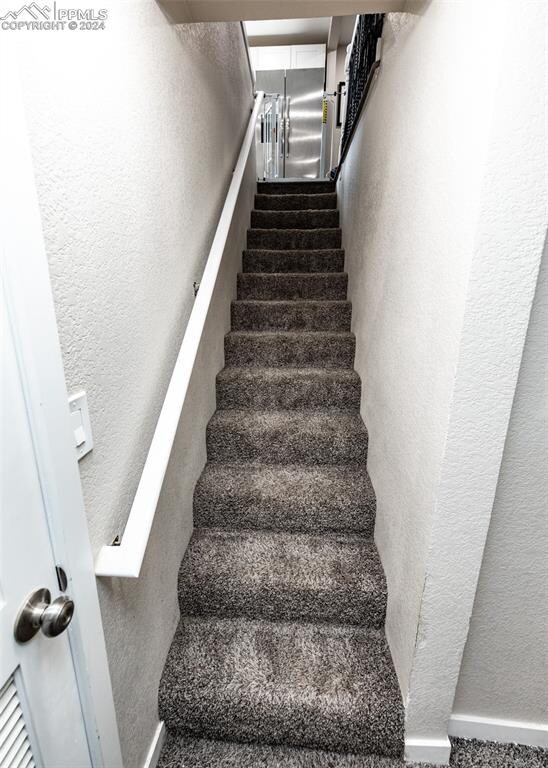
[288, 56]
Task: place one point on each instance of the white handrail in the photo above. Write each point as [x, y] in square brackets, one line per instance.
[125, 559]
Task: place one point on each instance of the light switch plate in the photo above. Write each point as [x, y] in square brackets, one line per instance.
[80, 423]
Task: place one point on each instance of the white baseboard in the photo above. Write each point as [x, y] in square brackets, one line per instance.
[506, 731]
[435, 751]
[156, 745]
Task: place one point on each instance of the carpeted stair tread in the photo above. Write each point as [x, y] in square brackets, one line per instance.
[294, 239]
[303, 260]
[296, 202]
[301, 315]
[288, 389]
[303, 219]
[295, 187]
[310, 685]
[334, 578]
[292, 349]
[285, 498]
[331, 286]
[286, 437]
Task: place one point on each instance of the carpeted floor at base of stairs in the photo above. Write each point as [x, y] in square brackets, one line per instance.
[200, 753]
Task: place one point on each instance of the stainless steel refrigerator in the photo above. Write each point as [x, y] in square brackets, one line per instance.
[289, 133]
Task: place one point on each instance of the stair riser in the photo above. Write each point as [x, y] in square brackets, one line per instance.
[296, 202]
[297, 393]
[295, 187]
[291, 726]
[294, 219]
[293, 352]
[279, 605]
[332, 287]
[286, 261]
[215, 580]
[294, 239]
[291, 316]
[235, 444]
[233, 506]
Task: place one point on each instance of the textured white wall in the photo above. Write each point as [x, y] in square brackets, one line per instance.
[505, 664]
[135, 131]
[443, 208]
[409, 193]
[508, 244]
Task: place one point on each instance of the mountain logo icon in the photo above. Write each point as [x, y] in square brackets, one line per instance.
[33, 10]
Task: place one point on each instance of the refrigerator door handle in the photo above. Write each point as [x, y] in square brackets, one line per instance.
[287, 124]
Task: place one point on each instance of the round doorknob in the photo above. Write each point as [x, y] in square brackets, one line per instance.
[57, 616]
[38, 612]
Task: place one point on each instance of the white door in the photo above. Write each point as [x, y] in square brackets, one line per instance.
[41, 721]
[56, 702]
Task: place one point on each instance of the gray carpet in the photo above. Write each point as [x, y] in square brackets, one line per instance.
[285, 498]
[281, 647]
[293, 315]
[294, 239]
[197, 753]
[288, 389]
[304, 285]
[282, 262]
[286, 437]
[292, 219]
[295, 202]
[292, 349]
[283, 576]
[325, 686]
[297, 188]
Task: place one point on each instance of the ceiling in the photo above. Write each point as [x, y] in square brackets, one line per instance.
[288, 31]
[185, 11]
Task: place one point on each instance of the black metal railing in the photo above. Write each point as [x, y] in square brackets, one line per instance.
[363, 64]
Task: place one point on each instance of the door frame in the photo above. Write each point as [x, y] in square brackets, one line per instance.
[24, 271]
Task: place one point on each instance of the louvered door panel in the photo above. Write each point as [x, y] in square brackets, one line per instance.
[15, 749]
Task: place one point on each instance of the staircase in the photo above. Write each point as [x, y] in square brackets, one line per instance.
[280, 657]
